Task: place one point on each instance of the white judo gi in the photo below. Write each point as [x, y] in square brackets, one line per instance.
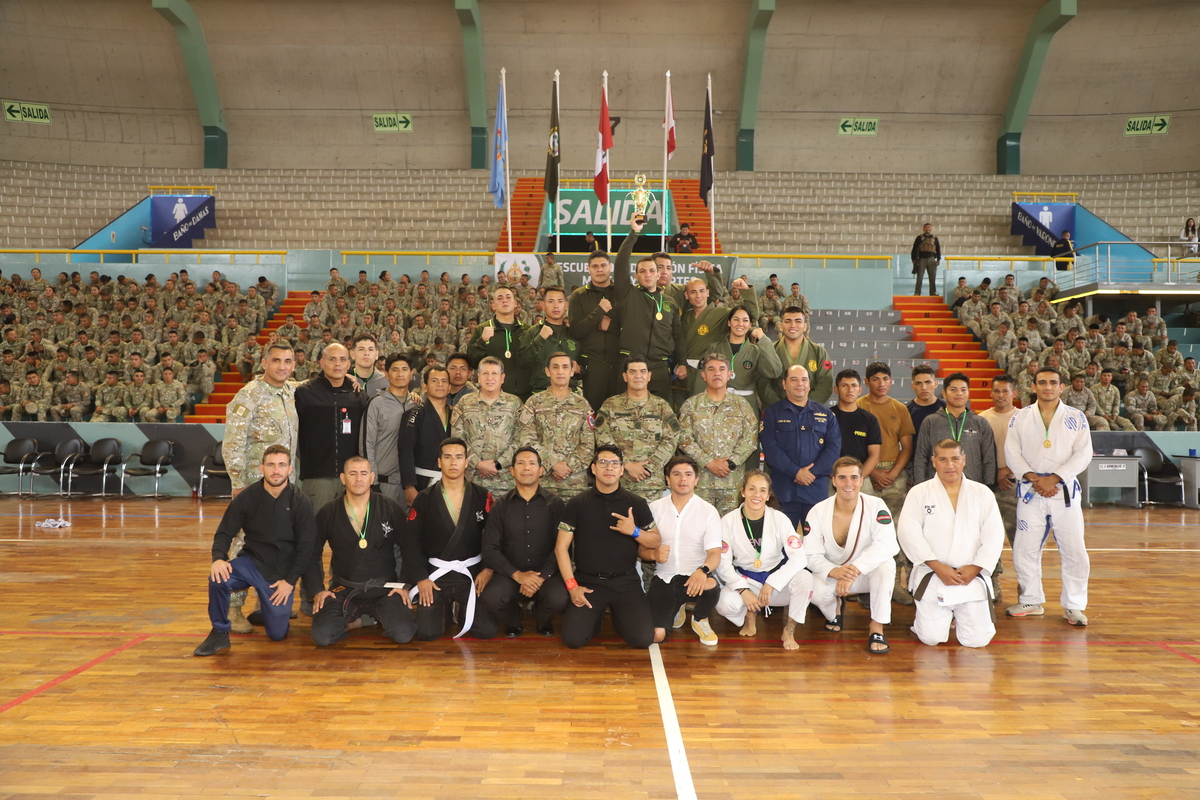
[792, 582]
[932, 529]
[1069, 454]
[871, 546]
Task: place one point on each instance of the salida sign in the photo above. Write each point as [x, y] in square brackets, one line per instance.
[580, 211]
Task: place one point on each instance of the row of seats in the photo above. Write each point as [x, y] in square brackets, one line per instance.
[73, 458]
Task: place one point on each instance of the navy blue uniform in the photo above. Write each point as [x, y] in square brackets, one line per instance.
[792, 438]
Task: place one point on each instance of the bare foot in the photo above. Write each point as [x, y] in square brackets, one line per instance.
[789, 635]
[350, 626]
[751, 627]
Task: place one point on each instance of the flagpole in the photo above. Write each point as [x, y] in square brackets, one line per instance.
[608, 161]
[557, 183]
[666, 136]
[712, 207]
[507, 189]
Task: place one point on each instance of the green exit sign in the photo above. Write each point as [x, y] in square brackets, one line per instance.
[1155, 124]
[858, 126]
[392, 122]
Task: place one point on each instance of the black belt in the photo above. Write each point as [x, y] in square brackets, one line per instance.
[607, 576]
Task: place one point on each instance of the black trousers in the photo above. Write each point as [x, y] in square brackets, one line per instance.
[666, 598]
[630, 611]
[601, 380]
[329, 624]
[432, 620]
[660, 380]
[502, 598]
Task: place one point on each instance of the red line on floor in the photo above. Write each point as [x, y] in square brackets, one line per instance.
[66, 676]
[1170, 649]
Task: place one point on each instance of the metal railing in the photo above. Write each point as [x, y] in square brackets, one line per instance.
[184, 190]
[860, 261]
[1019, 197]
[1112, 262]
[429, 255]
[995, 262]
[181, 255]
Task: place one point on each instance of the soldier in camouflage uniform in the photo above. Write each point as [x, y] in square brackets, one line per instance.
[32, 399]
[1141, 407]
[70, 400]
[1077, 357]
[138, 396]
[261, 414]
[559, 424]
[249, 353]
[644, 427]
[999, 342]
[1077, 395]
[1108, 402]
[1170, 355]
[110, 401]
[167, 399]
[420, 335]
[1165, 384]
[201, 376]
[1118, 361]
[1141, 363]
[91, 369]
[488, 421]
[1181, 408]
[719, 430]
[770, 311]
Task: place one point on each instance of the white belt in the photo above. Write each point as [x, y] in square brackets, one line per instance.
[433, 474]
[461, 567]
[694, 363]
[742, 392]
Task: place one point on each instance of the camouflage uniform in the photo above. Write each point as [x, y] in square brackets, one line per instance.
[727, 429]
[139, 398]
[78, 394]
[1163, 356]
[420, 338]
[561, 430]
[1076, 360]
[112, 400]
[288, 333]
[1164, 386]
[171, 396]
[201, 377]
[990, 323]
[91, 372]
[770, 311]
[1108, 406]
[1177, 410]
[1085, 401]
[645, 430]
[490, 431]
[32, 400]
[1139, 406]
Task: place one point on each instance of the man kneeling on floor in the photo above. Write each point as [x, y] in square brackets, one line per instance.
[851, 547]
[280, 534]
[689, 553]
[363, 530]
[952, 531]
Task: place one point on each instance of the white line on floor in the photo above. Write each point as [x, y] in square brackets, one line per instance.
[666, 705]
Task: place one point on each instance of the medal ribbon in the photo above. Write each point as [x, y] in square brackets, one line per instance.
[754, 543]
[362, 529]
[657, 297]
[962, 423]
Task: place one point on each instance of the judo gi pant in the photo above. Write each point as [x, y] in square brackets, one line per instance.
[329, 624]
[245, 575]
[666, 598]
[630, 611]
[878, 583]
[1035, 520]
[502, 598]
[974, 626]
[433, 619]
[796, 596]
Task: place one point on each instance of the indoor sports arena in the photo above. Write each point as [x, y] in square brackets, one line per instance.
[868, 331]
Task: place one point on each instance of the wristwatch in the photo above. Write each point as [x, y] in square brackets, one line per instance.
[704, 568]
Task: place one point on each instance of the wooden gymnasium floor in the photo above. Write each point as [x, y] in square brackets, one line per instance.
[101, 697]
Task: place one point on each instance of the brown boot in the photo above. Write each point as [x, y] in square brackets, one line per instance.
[237, 621]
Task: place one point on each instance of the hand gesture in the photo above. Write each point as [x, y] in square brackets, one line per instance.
[561, 471]
[948, 576]
[740, 284]
[425, 590]
[681, 371]
[546, 332]
[719, 467]
[764, 595]
[704, 266]
[756, 334]
[696, 583]
[662, 553]
[636, 224]
[488, 332]
[605, 305]
[579, 596]
[804, 476]
[753, 604]
[624, 523]
[220, 571]
[282, 593]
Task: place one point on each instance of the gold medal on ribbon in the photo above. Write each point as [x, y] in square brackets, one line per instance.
[1046, 443]
[508, 353]
[658, 315]
[362, 544]
[758, 563]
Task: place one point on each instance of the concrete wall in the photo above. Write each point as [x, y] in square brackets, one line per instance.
[299, 79]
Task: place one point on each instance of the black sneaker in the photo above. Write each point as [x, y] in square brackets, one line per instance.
[512, 632]
[548, 630]
[216, 641]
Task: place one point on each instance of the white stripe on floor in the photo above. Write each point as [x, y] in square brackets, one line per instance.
[666, 705]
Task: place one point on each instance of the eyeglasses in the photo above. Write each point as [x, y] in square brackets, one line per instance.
[608, 462]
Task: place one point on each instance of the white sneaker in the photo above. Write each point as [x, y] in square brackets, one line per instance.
[1025, 610]
[680, 618]
[1074, 616]
[704, 631]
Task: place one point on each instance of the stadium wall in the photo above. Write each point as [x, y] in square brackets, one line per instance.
[298, 80]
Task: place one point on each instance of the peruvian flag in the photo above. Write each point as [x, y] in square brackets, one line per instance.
[669, 121]
[604, 144]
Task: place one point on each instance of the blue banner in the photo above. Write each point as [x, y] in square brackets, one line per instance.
[1054, 217]
[176, 220]
[1033, 233]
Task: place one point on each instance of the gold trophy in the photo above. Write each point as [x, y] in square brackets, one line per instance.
[641, 197]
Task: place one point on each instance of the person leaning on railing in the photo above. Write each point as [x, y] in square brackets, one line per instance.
[1063, 252]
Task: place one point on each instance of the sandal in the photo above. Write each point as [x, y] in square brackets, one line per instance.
[835, 625]
[878, 638]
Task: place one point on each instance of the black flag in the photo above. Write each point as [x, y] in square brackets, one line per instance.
[708, 148]
[550, 184]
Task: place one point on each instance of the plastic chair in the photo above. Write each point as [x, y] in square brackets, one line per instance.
[20, 456]
[213, 466]
[103, 459]
[155, 457]
[58, 462]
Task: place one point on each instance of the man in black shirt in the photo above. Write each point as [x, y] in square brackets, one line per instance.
[280, 531]
[607, 524]
[330, 407]
[441, 549]
[518, 545]
[422, 431]
[861, 438]
[363, 531]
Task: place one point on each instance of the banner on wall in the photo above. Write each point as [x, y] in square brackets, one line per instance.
[176, 220]
[579, 211]
[575, 271]
[1041, 224]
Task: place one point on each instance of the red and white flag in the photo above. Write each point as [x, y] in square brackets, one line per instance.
[669, 120]
[604, 144]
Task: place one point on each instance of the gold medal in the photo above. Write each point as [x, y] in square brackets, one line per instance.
[508, 353]
[658, 315]
[758, 563]
[1046, 443]
[362, 544]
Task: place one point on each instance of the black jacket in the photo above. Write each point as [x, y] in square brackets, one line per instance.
[280, 532]
[325, 440]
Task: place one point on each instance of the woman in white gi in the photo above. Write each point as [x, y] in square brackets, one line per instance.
[762, 561]
[851, 543]
[951, 529]
[1049, 444]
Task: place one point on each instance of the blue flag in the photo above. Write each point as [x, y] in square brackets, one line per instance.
[496, 185]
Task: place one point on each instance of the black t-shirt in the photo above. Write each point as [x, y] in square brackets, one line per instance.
[385, 521]
[860, 428]
[598, 549]
[919, 413]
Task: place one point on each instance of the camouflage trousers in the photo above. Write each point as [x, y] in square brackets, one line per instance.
[74, 415]
[723, 493]
[152, 415]
[116, 414]
[1097, 423]
[31, 409]
[1139, 421]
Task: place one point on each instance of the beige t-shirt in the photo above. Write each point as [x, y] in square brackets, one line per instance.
[894, 423]
[999, 423]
